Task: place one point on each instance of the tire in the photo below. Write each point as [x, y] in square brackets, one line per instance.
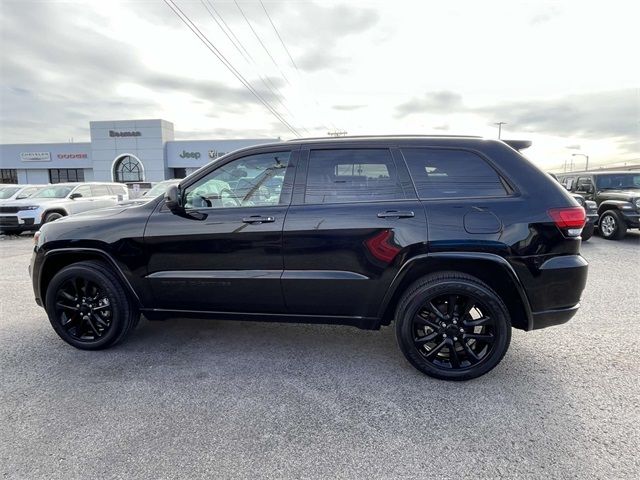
[107, 316]
[587, 232]
[486, 326]
[612, 226]
[50, 217]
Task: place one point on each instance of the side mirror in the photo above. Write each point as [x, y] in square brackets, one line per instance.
[172, 198]
[73, 196]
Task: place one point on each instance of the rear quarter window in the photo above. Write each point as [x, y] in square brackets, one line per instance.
[452, 174]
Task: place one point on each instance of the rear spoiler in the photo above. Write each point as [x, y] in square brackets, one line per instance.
[518, 144]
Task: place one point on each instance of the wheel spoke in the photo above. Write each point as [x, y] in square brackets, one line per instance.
[99, 320]
[93, 327]
[424, 321]
[471, 355]
[453, 356]
[480, 322]
[482, 337]
[67, 295]
[451, 305]
[100, 307]
[435, 310]
[466, 308]
[434, 351]
[426, 338]
[67, 307]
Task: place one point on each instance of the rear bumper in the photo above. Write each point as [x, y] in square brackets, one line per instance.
[553, 287]
[549, 318]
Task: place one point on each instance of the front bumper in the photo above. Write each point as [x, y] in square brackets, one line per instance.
[21, 221]
[632, 219]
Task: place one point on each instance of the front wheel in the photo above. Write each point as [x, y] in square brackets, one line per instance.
[88, 307]
[612, 225]
[452, 326]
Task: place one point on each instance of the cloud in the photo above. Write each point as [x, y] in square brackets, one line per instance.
[593, 115]
[432, 102]
[348, 108]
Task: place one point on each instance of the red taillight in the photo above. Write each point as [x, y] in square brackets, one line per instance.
[569, 219]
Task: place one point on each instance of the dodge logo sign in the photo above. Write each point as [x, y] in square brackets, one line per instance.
[71, 155]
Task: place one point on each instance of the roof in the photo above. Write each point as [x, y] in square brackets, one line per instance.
[600, 172]
[377, 137]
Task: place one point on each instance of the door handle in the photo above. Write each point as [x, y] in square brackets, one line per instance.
[258, 219]
[396, 214]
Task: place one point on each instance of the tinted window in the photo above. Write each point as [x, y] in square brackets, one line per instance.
[100, 190]
[352, 175]
[117, 190]
[452, 174]
[255, 180]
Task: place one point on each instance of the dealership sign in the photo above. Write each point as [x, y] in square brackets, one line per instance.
[216, 154]
[113, 133]
[65, 156]
[186, 154]
[35, 156]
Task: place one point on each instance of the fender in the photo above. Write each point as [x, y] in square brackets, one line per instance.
[460, 257]
[616, 204]
[93, 251]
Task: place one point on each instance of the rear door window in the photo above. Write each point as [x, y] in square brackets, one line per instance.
[352, 175]
[100, 190]
[452, 174]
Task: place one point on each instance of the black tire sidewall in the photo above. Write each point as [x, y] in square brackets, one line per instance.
[404, 327]
[113, 291]
[619, 231]
[48, 216]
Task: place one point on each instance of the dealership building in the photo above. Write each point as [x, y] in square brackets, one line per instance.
[135, 151]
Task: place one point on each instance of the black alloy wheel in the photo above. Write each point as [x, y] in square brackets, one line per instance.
[452, 326]
[454, 331]
[83, 310]
[88, 306]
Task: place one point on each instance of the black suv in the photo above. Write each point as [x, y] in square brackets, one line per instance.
[617, 195]
[457, 239]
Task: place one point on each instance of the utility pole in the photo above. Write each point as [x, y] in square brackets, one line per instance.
[337, 133]
[500, 127]
[586, 167]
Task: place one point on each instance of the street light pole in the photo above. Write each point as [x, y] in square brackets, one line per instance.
[500, 127]
[586, 167]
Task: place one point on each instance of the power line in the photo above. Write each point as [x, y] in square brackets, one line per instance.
[205, 40]
[248, 58]
[261, 42]
[279, 37]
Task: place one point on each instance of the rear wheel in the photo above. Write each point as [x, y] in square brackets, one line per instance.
[612, 225]
[452, 326]
[88, 306]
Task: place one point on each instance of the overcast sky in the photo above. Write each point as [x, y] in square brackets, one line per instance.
[564, 74]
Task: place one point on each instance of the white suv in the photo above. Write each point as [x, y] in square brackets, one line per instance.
[56, 201]
[9, 193]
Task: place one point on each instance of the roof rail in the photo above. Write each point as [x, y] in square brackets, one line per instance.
[383, 136]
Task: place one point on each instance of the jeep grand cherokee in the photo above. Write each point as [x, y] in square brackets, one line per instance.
[456, 240]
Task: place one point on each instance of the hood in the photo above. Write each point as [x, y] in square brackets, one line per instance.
[95, 214]
[621, 194]
[31, 201]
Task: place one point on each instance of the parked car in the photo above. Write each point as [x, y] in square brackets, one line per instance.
[158, 189]
[591, 210]
[56, 201]
[456, 239]
[617, 195]
[8, 193]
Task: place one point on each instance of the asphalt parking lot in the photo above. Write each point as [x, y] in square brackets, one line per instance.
[215, 399]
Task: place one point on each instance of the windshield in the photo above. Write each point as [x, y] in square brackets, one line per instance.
[53, 192]
[618, 181]
[6, 192]
[158, 189]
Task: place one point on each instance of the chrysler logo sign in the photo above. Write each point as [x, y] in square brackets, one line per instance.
[35, 156]
[113, 133]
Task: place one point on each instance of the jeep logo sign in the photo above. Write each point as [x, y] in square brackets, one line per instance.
[186, 154]
[113, 133]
